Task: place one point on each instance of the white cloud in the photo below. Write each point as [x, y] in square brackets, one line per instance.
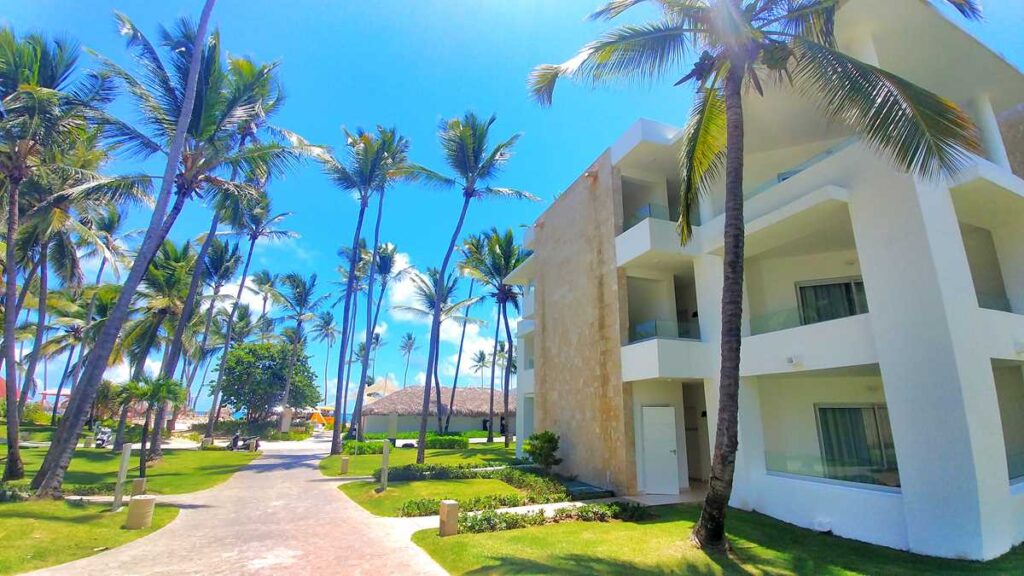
[121, 372]
[288, 249]
[403, 292]
[420, 378]
[249, 296]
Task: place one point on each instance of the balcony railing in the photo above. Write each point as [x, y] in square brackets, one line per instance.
[783, 320]
[530, 363]
[689, 330]
[656, 211]
[787, 174]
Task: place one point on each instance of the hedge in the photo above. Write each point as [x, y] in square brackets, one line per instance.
[492, 521]
[447, 442]
[356, 448]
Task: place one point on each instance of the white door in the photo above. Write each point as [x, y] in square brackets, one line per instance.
[661, 463]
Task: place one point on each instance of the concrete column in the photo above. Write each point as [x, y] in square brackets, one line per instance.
[750, 459]
[937, 378]
[988, 129]
[1009, 242]
[344, 465]
[707, 274]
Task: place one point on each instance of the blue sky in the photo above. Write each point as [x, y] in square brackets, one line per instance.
[410, 64]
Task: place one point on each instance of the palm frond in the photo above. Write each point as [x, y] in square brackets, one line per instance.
[702, 157]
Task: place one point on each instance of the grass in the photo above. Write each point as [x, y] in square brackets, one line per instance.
[760, 545]
[45, 533]
[477, 454]
[178, 472]
[388, 503]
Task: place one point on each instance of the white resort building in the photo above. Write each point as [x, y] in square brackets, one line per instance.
[882, 392]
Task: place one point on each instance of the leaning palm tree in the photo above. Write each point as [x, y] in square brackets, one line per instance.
[325, 329]
[740, 42]
[368, 168]
[406, 347]
[435, 297]
[301, 303]
[480, 365]
[50, 476]
[464, 144]
[255, 221]
[264, 284]
[490, 258]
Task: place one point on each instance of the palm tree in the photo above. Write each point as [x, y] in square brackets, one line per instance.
[406, 347]
[458, 358]
[48, 479]
[70, 322]
[434, 297]
[255, 221]
[326, 330]
[127, 394]
[480, 363]
[157, 393]
[741, 41]
[490, 258]
[265, 284]
[218, 266]
[301, 302]
[464, 144]
[372, 163]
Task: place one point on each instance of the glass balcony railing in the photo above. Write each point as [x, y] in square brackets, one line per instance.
[689, 330]
[783, 320]
[529, 363]
[811, 465]
[656, 211]
[787, 174]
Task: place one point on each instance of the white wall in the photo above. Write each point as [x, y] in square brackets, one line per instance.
[651, 393]
[984, 265]
[650, 299]
[1010, 390]
[771, 282]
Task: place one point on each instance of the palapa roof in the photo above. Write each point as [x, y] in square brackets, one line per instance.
[472, 402]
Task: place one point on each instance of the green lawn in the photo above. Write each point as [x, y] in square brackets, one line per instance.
[389, 502]
[761, 545]
[179, 471]
[478, 454]
[45, 533]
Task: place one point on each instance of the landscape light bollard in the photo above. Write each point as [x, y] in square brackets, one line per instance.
[90, 441]
[384, 466]
[344, 465]
[449, 518]
[138, 487]
[122, 476]
[206, 442]
[140, 512]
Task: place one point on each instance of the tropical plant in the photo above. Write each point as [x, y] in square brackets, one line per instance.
[254, 379]
[464, 144]
[325, 329]
[301, 303]
[126, 395]
[406, 347]
[264, 284]
[255, 221]
[48, 479]
[373, 161]
[741, 41]
[156, 393]
[490, 258]
[480, 364]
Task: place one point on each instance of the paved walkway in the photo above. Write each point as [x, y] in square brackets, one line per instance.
[277, 516]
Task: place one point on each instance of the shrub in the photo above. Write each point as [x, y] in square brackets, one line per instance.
[491, 521]
[542, 448]
[293, 435]
[14, 492]
[431, 472]
[541, 489]
[213, 448]
[357, 448]
[631, 511]
[431, 506]
[447, 442]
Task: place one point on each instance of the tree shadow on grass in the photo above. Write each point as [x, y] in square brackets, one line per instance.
[583, 565]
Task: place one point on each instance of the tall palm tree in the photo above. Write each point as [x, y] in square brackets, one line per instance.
[301, 303]
[325, 329]
[368, 168]
[458, 358]
[464, 144]
[480, 364]
[406, 347]
[255, 221]
[264, 283]
[741, 41]
[490, 258]
[435, 297]
[218, 265]
[157, 393]
[50, 476]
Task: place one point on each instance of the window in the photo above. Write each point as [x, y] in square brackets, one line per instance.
[856, 444]
[831, 299]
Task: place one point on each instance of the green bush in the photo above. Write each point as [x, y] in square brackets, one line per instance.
[293, 435]
[430, 472]
[14, 492]
[541, 489]
[447, 442]
[431, 506]
[213, 448]
[491, 521]
[35, 414]
[542, 448]
[357, 448]
[232, 427]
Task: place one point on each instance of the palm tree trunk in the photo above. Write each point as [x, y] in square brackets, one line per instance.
[48, 480]
[710, 529]
[77, 370]
[122, 420]
[206, 335]
[288, 376]
[327, 366]
[145, 435]
[437, 389]
[508, 373]
[435, 325]
[30, 373]
[171, 357]
[215, 407]
[351, 356]
[458, 364]
[263, 320]
[405, 377]
[494, 364]
[22, 294]
[14, 469]
[60, 387]
[370, 318]
[346, 319]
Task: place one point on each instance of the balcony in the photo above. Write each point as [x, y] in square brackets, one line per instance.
[529, 303]
[524, 381]
[660, 358]
[671, 329]
[831, 344]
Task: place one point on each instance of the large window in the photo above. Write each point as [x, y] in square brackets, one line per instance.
[856, 444]
[831, 299]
